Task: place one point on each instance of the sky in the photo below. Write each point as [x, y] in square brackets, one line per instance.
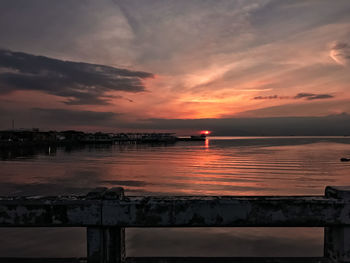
[117, 65]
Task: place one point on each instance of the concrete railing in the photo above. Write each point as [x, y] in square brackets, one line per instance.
[107, 212]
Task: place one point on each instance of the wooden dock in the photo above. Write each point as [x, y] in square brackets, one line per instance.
[107, 212]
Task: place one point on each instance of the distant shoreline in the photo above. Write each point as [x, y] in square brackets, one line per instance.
[76, 143]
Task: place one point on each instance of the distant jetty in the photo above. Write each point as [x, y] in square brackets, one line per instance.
[201, 137]
[35, 137]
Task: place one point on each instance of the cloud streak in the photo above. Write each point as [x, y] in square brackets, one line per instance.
[78, 83]
[311, 96]
[307, 96]
[271, 97]
[213, 59]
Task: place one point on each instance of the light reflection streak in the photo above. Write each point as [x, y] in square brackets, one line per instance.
[206, 143]
[213, 167]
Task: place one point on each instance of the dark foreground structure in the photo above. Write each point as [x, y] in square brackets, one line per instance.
[107, 212]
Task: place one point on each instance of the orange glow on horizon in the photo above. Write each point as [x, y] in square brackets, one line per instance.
[205, 132]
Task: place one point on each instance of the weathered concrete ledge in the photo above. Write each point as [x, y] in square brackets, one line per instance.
[107, 212]
[174, 260]
[225, 212]
[317, 211]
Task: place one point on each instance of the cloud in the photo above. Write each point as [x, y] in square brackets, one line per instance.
[312, 96]
[340, 53]
[307, 96]
[78, 83]
[270, 97]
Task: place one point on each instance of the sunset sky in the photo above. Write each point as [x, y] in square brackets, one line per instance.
[117, 65]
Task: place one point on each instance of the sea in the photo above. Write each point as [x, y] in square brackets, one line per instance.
[244, 166]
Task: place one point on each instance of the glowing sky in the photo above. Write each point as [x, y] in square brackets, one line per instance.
[141, 60]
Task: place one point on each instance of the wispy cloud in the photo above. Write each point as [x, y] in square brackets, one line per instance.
[212, 58]
[271, 97]
[307, 96]
[340, 53]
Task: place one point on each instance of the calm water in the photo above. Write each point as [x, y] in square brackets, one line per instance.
[219, 166]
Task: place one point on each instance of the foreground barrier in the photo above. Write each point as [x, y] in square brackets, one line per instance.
[107, 212]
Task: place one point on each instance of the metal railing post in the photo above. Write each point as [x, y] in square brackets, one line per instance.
[337, 238]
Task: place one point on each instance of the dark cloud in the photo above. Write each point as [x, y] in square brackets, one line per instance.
[303, 95]
[307, 96]
[266, 97]
[270, 97]
[79, 83]
[320, 96]
[312, 96]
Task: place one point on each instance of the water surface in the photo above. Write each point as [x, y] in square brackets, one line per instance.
[219, 166]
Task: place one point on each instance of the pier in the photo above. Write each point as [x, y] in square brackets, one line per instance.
[107, 212]
[34, 138]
